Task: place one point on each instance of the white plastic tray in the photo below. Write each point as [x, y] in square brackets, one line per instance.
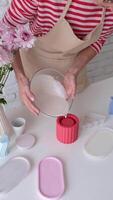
[100, 143]
[12, 173]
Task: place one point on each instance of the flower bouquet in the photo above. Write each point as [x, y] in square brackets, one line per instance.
[12, 39]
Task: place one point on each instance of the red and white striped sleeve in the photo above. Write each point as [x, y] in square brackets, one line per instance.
[20, 12]
[83, 16]
[106, 33]
[97, 46]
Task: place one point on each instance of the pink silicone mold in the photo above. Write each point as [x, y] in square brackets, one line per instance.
[51, 178]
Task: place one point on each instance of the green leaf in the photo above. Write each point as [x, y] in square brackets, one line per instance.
[3, 101]
[1, 85]
[4, 74]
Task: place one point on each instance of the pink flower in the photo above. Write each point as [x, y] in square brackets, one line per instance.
[24, 37]
[8, 39]
[11, 39]
[3, 28]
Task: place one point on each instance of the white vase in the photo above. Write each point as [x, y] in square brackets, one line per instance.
[5, 126]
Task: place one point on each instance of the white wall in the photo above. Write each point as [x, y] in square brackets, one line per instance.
[3, 6]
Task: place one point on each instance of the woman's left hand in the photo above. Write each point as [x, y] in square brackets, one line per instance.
[70, 84]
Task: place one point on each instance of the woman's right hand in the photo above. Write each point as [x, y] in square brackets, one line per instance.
[27, 96]
[70, 84]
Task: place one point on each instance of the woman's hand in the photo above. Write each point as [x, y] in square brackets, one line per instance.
[27, 96]
[81, 60]
[70, 84]
[23, 84]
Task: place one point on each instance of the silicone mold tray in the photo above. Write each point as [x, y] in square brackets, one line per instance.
[51, 178]
[12, 173]
[100, 143]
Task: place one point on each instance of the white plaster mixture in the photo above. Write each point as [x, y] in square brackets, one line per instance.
[50, 95]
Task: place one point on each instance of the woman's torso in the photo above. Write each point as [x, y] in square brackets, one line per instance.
[83, 16]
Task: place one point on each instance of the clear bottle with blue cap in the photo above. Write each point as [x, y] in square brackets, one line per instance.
[4, 145]
[6, 133]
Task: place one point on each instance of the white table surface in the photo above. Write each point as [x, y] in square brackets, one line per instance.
[85, 178]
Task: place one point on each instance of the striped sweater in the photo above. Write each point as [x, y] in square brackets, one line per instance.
[82, 15]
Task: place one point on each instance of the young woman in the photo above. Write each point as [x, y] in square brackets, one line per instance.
[69, 34]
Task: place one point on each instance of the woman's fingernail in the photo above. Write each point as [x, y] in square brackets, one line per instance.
[32, 98]
[36, 114]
